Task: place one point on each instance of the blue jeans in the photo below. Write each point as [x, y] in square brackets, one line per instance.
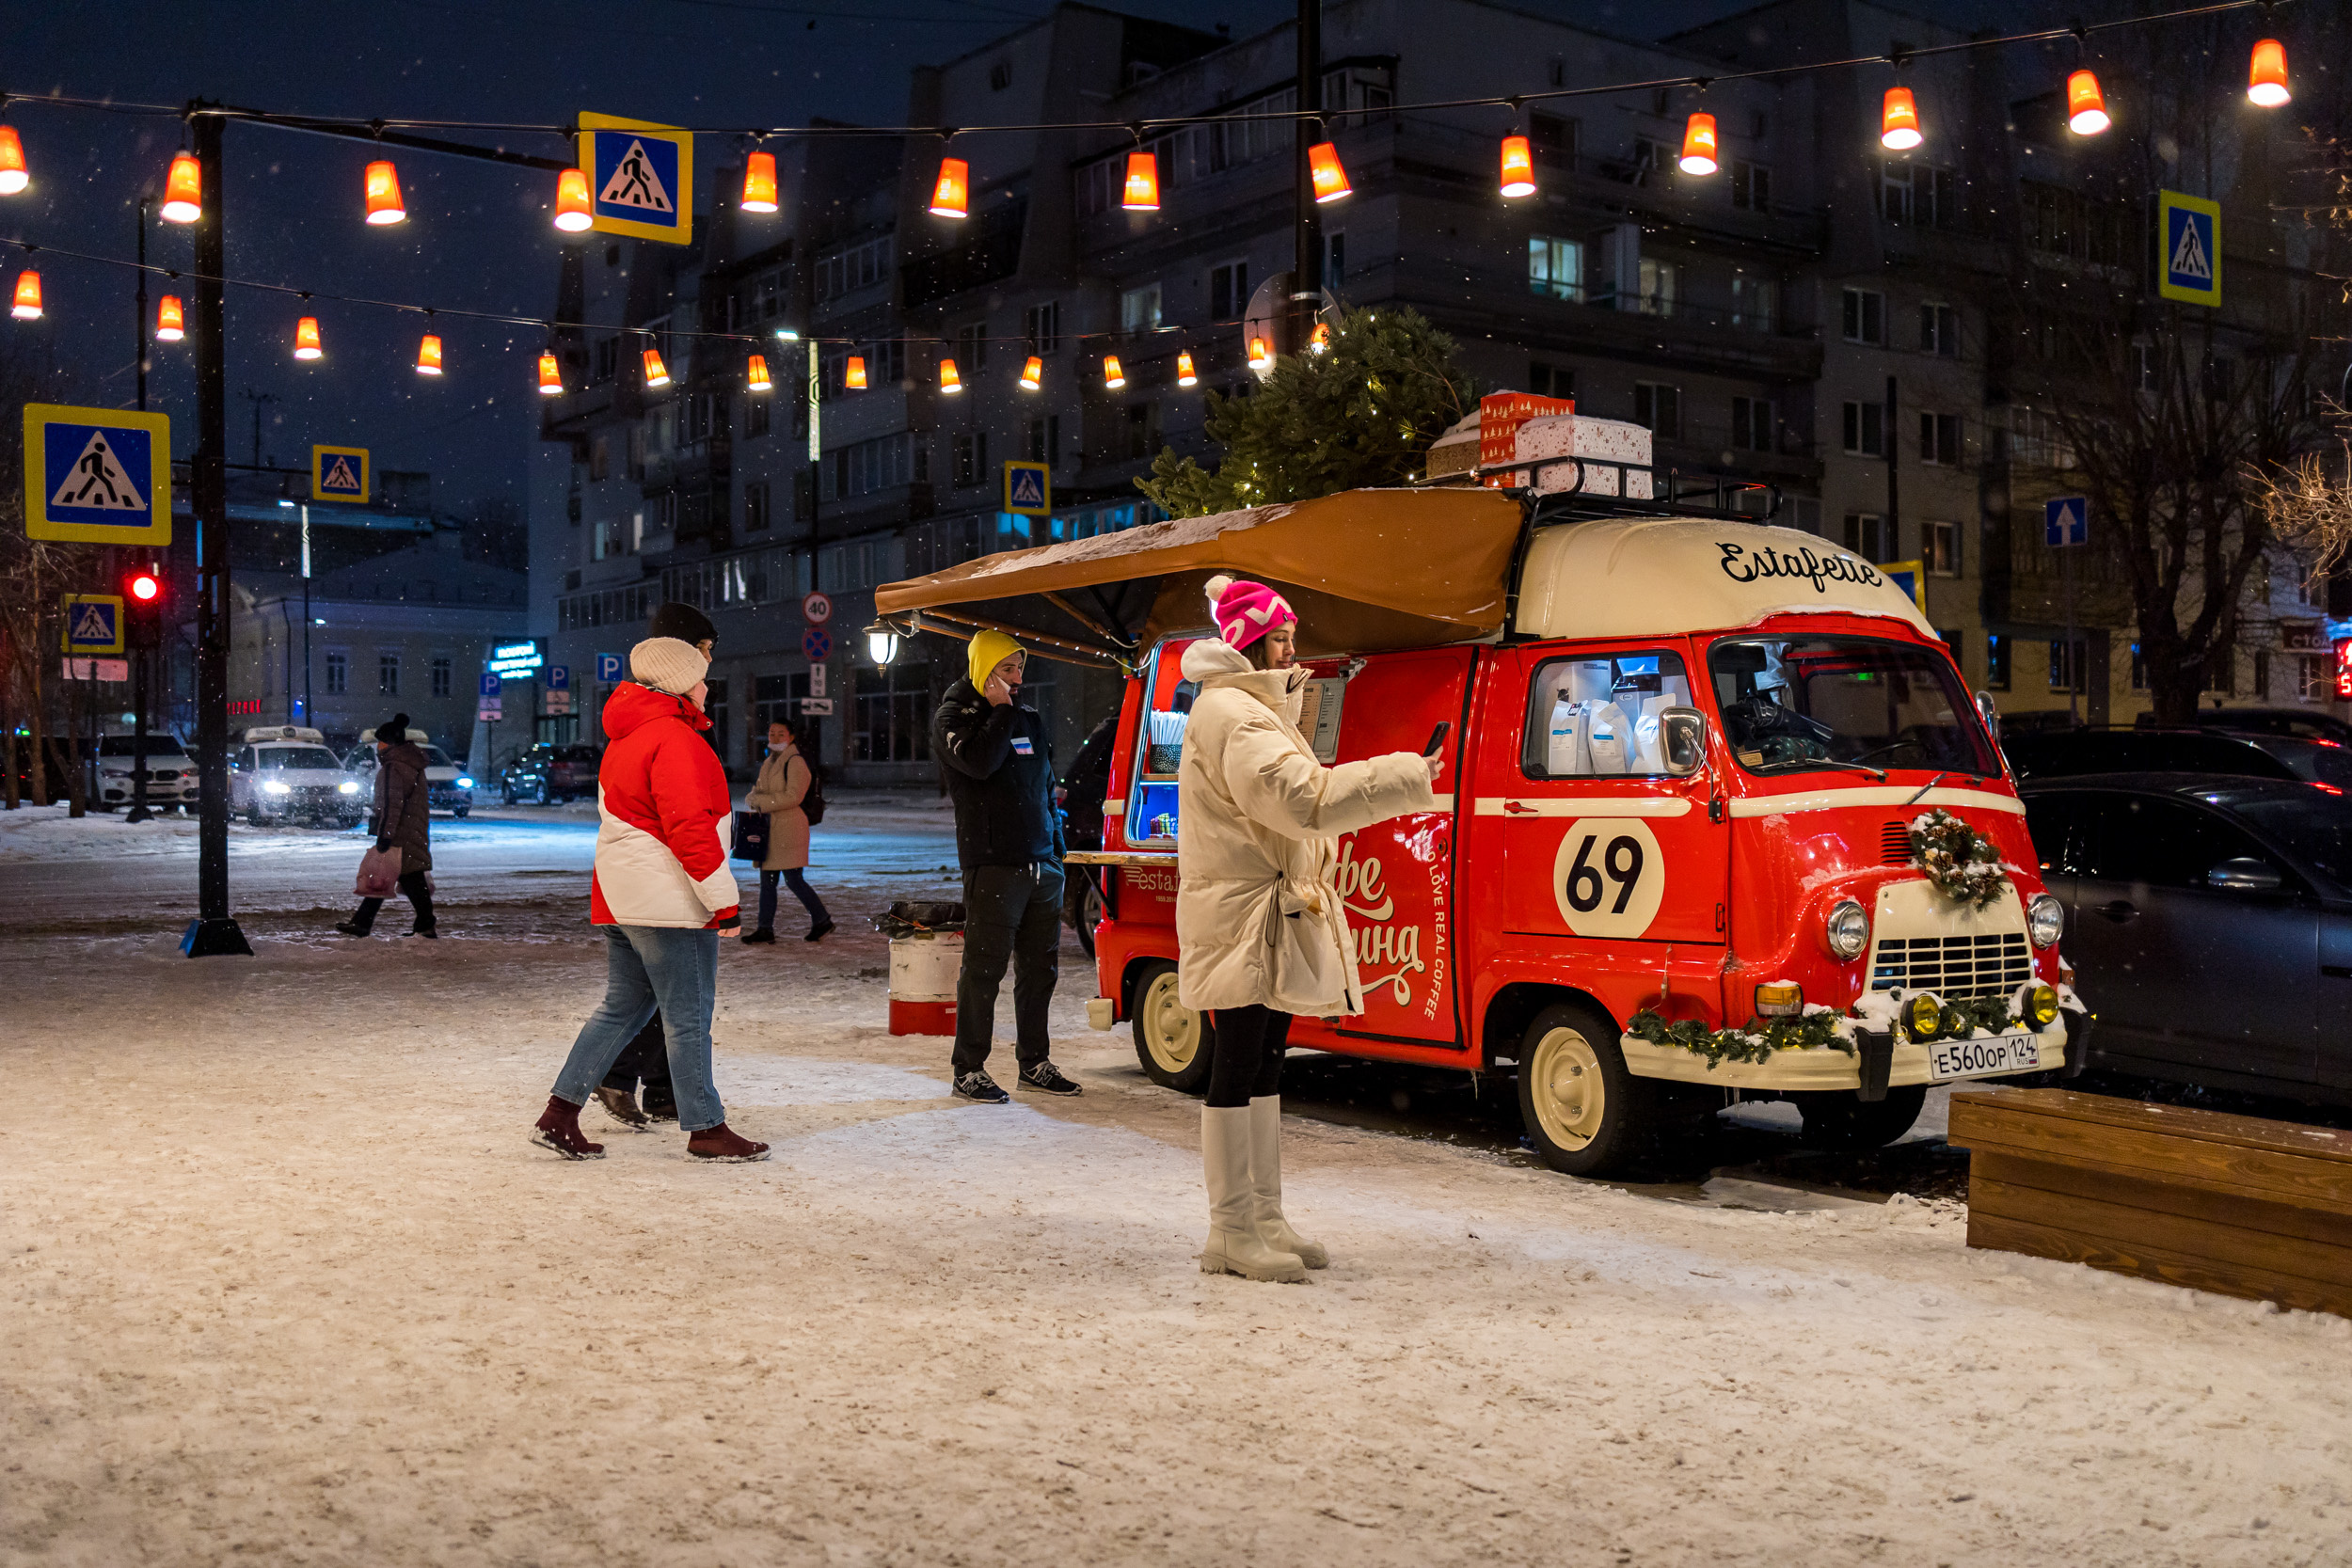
[800, 890]
[677, 968]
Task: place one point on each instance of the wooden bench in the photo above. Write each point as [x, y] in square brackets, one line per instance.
[2231, 1204]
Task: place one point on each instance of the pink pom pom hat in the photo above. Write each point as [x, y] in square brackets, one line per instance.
[1246, 611]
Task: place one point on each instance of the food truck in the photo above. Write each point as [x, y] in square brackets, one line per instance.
[1717, 817]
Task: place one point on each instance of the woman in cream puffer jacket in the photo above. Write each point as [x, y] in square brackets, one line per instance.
[1260, 929]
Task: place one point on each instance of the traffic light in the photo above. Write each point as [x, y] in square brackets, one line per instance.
[142, 609]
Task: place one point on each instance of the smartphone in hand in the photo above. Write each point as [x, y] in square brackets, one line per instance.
[1436, 739]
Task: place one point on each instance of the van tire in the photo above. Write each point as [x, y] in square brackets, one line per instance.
[1174, 1043]
[1569, 1050]
[1833, 1120]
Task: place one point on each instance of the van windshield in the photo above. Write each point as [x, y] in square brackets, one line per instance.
[299, 756]
[1794, 704]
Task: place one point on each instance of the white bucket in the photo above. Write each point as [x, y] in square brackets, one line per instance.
[923, 972]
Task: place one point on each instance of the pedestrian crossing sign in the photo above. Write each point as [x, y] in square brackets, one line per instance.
[641, 178]
[97, 475]
[93, 624]
[2190, 229]
[1028, 489]
[340, 474]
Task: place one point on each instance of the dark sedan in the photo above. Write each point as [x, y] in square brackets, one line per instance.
[2056, 753]
[550, 774]
[2210, 924]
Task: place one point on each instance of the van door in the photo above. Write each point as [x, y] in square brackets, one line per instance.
[1600, 840]
[1396, 879]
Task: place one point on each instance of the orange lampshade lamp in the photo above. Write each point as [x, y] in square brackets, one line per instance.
[2086, 109]
[1033, 375]
[2265, 86]
[1185, 376]
[27, 306]
[950, 382]
[853, 373]
[1898, 120]
[759, 182]
[1698, 145]
[551, 377]
[1142, 193]
[383, 186]
[1113, 376]
[1323, 167]
[183, 190]
[755, 376]
[657, 374]
[951, 193]
[13, 178]
[306, 338]
[429, 355]
[1519, 168]
[172, 323]
[1260, 355]
[574, 212]
[1321, 340]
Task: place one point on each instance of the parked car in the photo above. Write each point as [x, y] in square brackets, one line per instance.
[447, 786]
[285, 772]
[171, 779]
[2057, 753]
[2302, 723]
[550, 774]
[2211, 921]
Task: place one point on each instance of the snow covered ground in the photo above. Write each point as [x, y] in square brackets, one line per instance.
[281, 1281]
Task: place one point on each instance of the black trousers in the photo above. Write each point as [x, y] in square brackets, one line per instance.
[1249, 1061]
[648, 1056]
[420, 897]
[1009, 912]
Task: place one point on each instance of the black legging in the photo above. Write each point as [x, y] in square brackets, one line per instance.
[1247, 1064]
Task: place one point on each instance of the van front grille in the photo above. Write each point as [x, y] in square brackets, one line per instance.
[1895, 843]
[1955, 968]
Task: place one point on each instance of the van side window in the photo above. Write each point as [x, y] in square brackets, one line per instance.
[1160, 750]
[1596, 715]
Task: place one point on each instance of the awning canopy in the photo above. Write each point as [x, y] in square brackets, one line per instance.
[1367, 570]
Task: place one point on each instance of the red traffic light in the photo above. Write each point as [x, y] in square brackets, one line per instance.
[145, 587]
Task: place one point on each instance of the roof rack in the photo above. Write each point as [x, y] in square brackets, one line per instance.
[1671, 493]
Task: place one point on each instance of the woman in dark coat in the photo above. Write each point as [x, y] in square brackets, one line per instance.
[403, 822]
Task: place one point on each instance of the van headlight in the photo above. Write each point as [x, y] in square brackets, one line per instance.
[274, 787]
[2039, 1006]
[2045, 917]
[465, 782]
[346, 788]
[1922, 1016]
[1847, 930]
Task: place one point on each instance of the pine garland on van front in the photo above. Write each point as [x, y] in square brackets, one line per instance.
[1754, 1043]
[1961, 862]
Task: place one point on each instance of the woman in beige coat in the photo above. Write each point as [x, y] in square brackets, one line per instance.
[1260, 931]
[783, 784]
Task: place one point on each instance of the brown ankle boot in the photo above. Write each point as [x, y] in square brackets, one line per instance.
[559, 1129]
[719, 1144]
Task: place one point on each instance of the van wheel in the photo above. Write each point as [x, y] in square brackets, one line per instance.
[1583, 1110]
[1174, 1043]
[1835, 1120]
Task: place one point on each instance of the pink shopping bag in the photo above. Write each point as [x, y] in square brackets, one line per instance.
[379, 872]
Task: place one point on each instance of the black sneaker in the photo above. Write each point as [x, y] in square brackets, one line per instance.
[763, 934]
[349, 929]
[817, 932]
[1045, 1078]
[980, 1086]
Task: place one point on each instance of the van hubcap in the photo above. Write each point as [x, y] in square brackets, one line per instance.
[1170, 1029]
[1571, 1096]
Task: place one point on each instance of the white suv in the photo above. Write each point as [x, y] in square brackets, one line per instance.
[170, 772]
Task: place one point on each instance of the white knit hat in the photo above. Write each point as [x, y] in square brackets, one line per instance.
[667, 665]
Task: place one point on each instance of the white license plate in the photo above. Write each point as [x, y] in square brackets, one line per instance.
[2017, 1053]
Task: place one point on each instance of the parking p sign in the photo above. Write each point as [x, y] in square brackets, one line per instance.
[609, 671]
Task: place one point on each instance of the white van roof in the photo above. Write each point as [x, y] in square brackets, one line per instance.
[263, 734]
[1652, 577]
[367, 738]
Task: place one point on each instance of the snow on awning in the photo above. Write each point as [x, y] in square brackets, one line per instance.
[1366, 570]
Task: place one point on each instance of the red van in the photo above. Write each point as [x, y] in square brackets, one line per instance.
[1678, 853]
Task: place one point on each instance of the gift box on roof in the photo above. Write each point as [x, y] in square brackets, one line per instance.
[1457, 450]
[1499, 416]
[1606, 442]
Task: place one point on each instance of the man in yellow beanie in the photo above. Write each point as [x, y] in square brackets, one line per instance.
[1000, 775]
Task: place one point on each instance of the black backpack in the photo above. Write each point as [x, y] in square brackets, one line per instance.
[813, 803]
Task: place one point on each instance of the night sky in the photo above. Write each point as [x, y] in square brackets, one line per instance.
[477, 235]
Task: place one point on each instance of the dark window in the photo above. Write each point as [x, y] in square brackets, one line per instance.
[1657, 408]
[1751, 424]
[1229, 290]
[1871, 537]
[1995, 662]
[1597, 714]
[1751, 185]
[715, 704]
[441, 675]
[338, 673]
[1143, 430]
[1939, 330]
[387, 674]
[755, 415]
[2052, 821]
[891, 714]
[1046, 439]
[1866, 429]
[1042, 325]
[1552, 140]
[972, 347]
[1939, 439]
[1550, 381]
[1864, 316]
[2158, 842]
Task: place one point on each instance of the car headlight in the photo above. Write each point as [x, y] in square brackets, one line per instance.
[465, 784]
[1847, 930]
[2039, 1006]
[274, 787]
[1922, 1016]
[2045, 917]
[346, 788]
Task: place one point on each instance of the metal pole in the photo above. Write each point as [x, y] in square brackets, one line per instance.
[1307, 264]
[138, 812]
[2074, 655]
[305, 615]
[1894, 536]
[142, 305]
[215, 930]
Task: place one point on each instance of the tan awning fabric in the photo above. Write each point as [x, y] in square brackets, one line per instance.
[1366, 570]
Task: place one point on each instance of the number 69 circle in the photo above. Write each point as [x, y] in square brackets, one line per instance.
[1608, 877]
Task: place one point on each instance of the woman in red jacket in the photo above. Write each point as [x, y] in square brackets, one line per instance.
[664, 894]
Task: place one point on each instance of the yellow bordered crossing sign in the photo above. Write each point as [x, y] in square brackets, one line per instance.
[97, 476]
[341, 474]
[641, 178]
[1028, 488]
[2189, 268]
[93, 624]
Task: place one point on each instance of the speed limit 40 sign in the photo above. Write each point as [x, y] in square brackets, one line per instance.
[816, 609]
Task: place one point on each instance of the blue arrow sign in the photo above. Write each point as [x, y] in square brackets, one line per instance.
[2066, 520]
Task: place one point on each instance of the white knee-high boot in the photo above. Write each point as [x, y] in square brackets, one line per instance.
[1236, 1246]
[1266, 1184]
